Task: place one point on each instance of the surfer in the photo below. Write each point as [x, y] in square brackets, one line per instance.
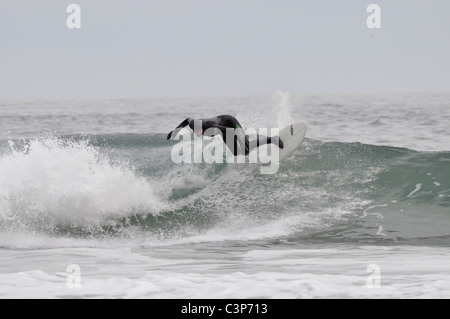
[230, 129]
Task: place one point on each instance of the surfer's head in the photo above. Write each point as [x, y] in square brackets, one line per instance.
[197, 127]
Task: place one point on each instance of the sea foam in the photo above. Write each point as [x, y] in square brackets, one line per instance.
[50, 182]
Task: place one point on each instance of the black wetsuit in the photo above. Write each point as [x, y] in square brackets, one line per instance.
[230, 129]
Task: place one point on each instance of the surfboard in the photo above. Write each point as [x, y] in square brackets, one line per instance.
[292, 137]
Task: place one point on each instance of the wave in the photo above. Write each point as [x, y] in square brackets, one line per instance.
[124, 185]
[55, 183]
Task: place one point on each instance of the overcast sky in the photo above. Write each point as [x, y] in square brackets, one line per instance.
[176, 48]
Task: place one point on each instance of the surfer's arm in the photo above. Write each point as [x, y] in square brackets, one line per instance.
[178, 128]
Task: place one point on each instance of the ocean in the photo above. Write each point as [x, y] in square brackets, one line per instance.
[92, 206]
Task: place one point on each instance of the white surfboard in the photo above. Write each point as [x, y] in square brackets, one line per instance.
[292, 137]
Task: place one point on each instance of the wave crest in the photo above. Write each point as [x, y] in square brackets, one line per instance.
[49, 183]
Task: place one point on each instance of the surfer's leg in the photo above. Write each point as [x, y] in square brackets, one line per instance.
[235, 140]
[241, 143]
[247, 145]
[276, 140]
[266, 140]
